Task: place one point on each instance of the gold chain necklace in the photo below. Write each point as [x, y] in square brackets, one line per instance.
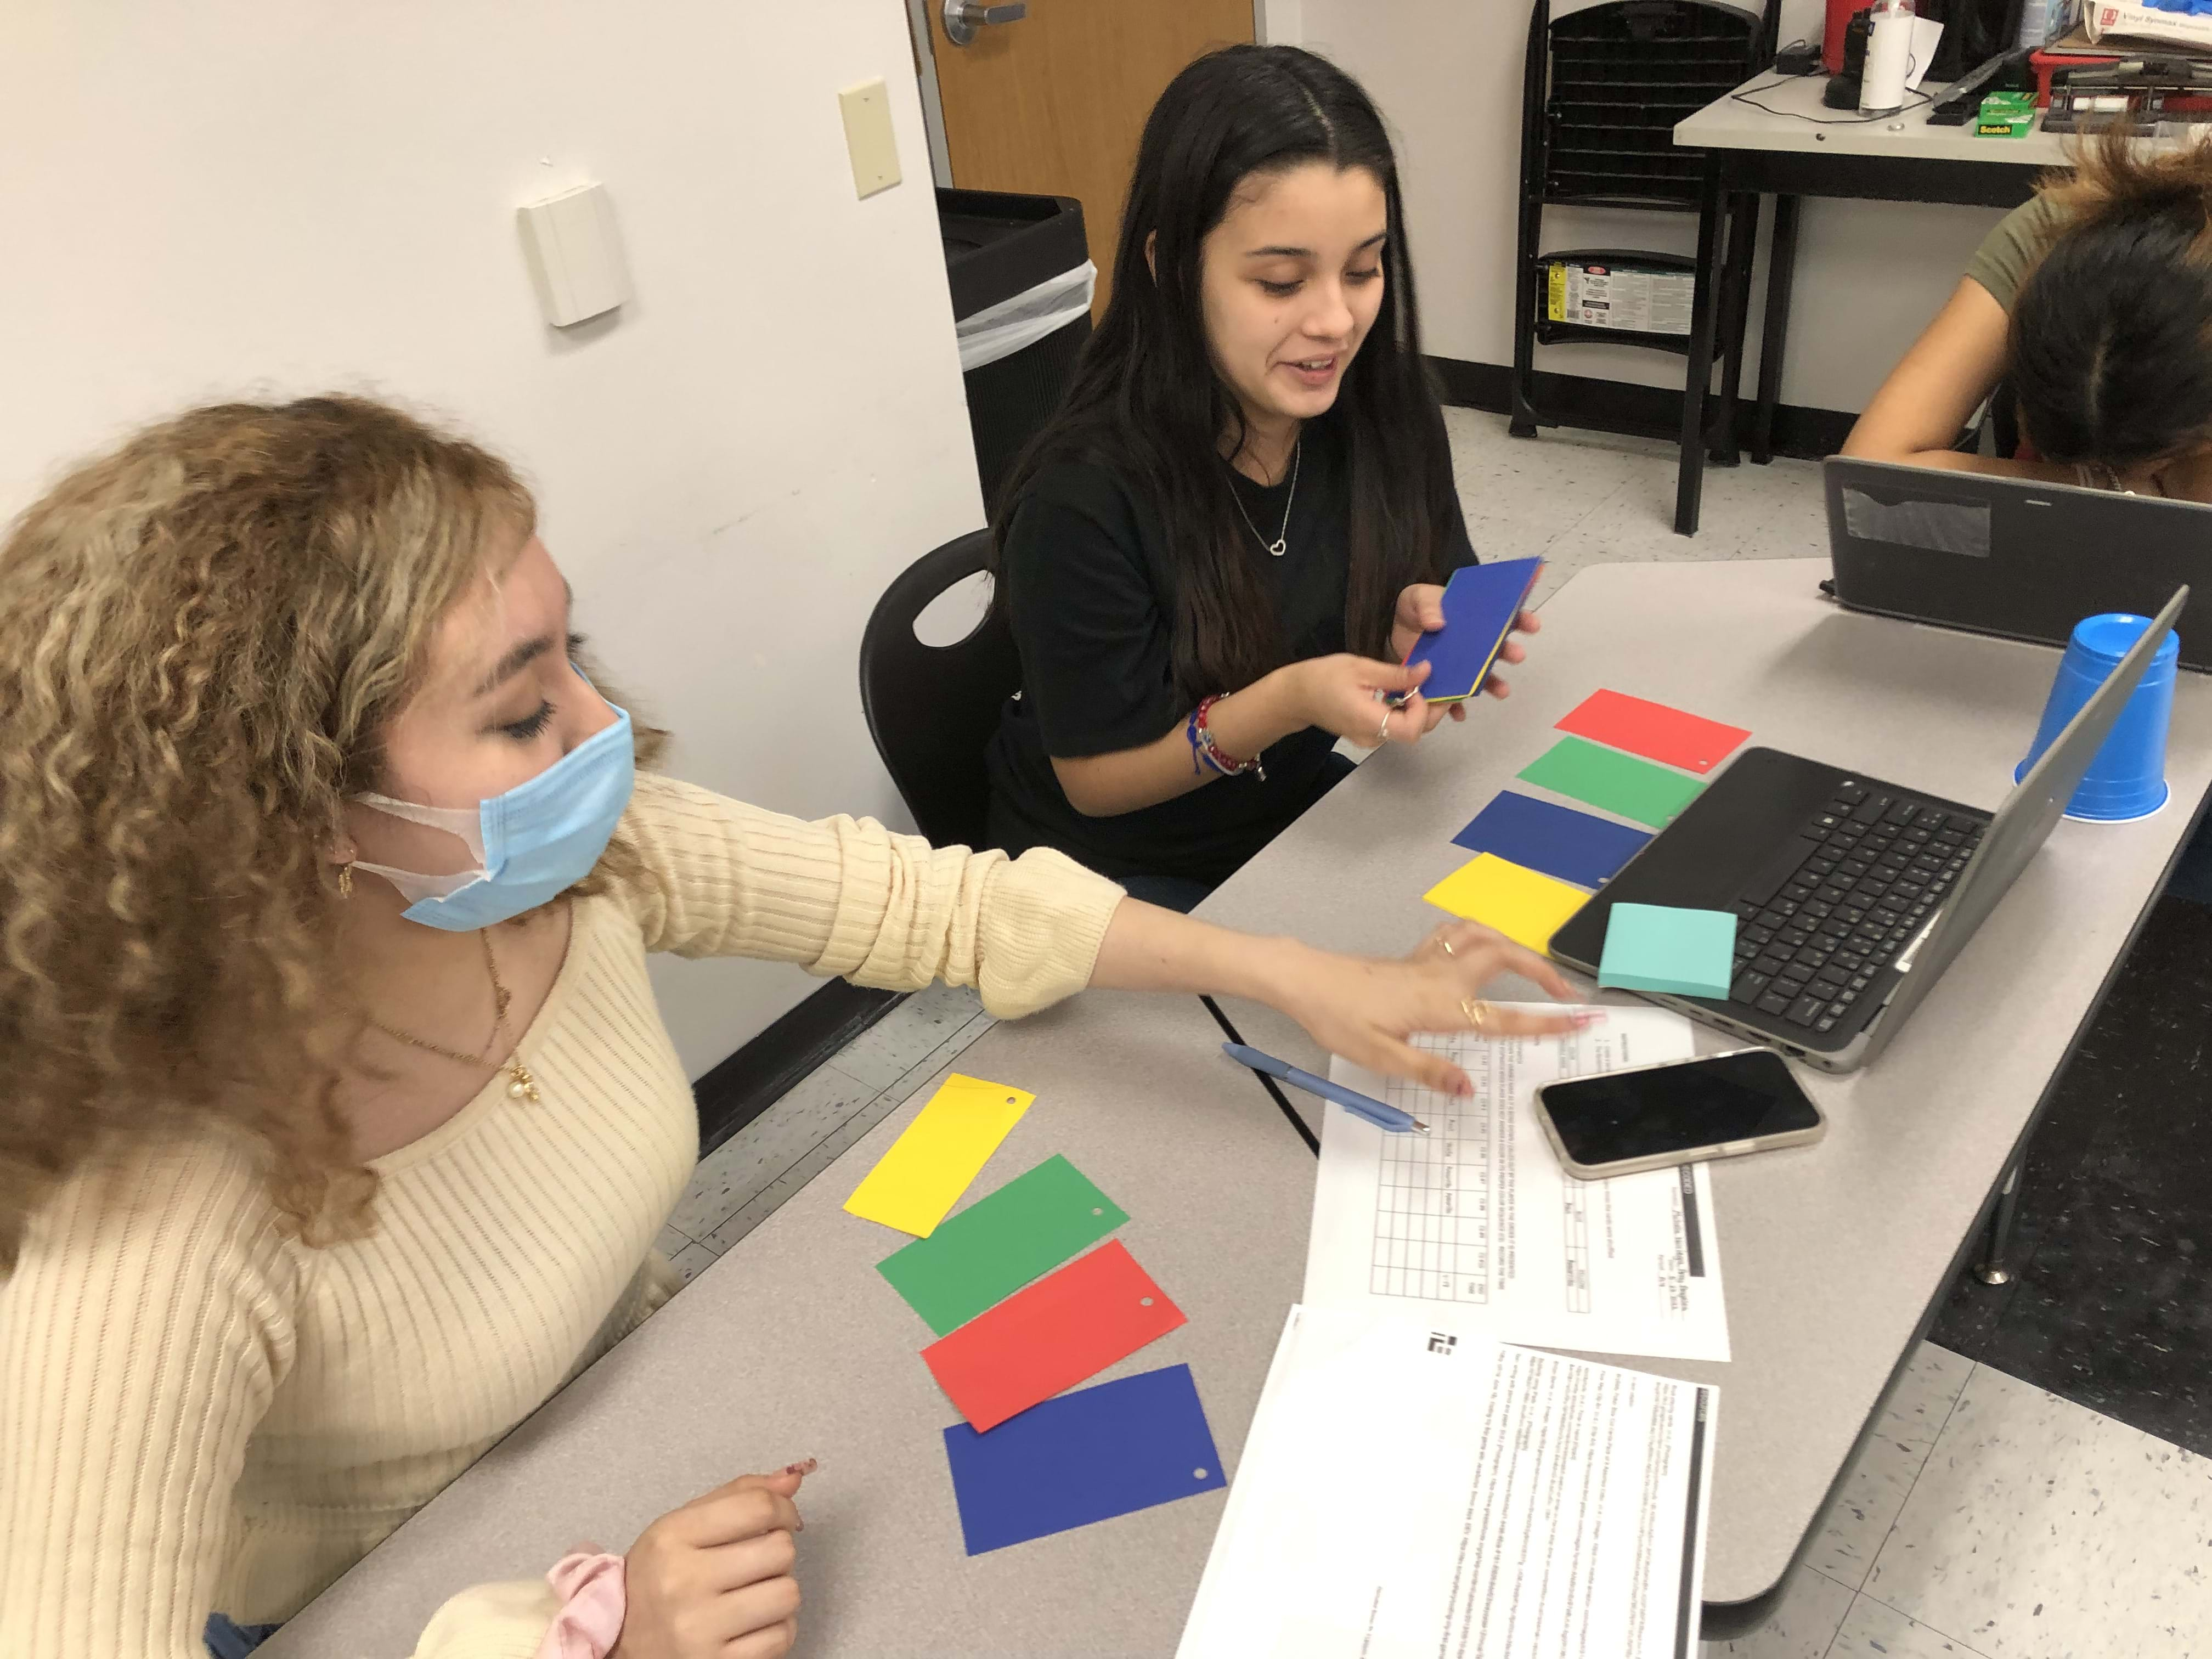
[521, 1083]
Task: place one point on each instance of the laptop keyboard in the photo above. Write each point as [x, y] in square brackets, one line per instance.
[1875, 868]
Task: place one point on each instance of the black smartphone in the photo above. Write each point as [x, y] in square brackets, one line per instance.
[1647, 1117]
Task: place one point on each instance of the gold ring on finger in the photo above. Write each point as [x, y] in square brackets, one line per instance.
[1478, 1013]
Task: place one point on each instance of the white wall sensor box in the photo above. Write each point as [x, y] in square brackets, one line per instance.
[575, 257]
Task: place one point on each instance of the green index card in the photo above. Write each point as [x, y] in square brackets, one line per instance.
[1000, 1243]
[1619, 783]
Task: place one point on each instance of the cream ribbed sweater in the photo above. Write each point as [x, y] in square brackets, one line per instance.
[198, 1414]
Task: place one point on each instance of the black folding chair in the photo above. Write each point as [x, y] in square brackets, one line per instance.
[931, 708]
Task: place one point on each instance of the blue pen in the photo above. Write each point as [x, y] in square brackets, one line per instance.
[1382, 1114]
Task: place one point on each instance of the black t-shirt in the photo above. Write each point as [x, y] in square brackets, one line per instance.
[1090, 583]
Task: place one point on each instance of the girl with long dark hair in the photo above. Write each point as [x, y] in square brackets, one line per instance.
[1216, 555]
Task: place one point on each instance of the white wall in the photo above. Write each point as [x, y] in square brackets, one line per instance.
[1447, 73]
[243, 195]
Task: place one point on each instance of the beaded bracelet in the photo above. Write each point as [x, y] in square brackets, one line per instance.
[1203, 747]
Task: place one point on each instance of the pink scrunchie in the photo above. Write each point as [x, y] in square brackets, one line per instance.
[593, 1594]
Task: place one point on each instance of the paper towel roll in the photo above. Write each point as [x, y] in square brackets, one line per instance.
[1888, 60]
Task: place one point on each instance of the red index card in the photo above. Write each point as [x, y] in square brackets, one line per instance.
[1061, 1329]
[1653, 730]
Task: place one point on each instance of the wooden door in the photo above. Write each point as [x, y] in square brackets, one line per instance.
[1053, 104]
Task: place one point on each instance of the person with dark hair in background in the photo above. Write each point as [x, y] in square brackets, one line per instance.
[1216, 555]
[2092, 307]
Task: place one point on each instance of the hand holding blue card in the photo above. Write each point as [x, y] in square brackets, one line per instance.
[1481, 603]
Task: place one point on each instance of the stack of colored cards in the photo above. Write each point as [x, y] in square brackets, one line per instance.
[1538, 861]
[1018, 1322]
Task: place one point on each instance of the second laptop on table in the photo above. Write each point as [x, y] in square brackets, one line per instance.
[2012, 556]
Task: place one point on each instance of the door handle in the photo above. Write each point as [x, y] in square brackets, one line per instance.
[964, 17]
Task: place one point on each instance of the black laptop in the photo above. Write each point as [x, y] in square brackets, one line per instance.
[2010, 556]
[1851, 894]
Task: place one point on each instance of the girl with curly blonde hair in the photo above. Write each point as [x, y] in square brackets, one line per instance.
[339, 1117]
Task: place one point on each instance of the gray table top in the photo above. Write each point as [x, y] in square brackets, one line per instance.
[1833, 1252]
[1727, 123]
[791, 1345]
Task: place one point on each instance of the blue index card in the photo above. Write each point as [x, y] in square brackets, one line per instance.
[1085, 1456]
[1481, 601]
[1656, 947]
[1557, 840]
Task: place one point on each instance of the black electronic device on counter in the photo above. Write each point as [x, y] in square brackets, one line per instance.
[1843, 88]
[1962, 100]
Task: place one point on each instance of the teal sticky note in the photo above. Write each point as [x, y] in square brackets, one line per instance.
[1656, 947]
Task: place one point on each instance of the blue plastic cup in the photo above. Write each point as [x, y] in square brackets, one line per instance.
[2127, 779]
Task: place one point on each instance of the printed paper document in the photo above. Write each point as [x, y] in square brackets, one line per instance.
[1405, 1494]
[1475, 1227]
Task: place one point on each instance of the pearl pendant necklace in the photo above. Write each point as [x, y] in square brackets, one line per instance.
[521, 1081]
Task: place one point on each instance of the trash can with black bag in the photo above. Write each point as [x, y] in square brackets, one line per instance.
[1022, 280]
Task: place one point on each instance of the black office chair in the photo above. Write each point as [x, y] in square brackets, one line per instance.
[932, 708]
[1998, 430]
[2005, 419]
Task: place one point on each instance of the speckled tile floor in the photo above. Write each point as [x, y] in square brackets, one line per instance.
[2039, 1485]
[2111, 1303]
[1586, 498]
[1987, 1516]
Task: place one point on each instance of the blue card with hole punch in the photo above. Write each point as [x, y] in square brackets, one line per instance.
[1481, 601]
[1085, 1456]
[1558, 841]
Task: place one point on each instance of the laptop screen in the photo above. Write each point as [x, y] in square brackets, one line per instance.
[2017, 558]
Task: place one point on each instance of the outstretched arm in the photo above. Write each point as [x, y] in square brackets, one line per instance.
[1926, 402]
[847, 896]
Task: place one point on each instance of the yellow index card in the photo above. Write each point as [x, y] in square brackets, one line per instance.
[944, 1148]
[1525, 906]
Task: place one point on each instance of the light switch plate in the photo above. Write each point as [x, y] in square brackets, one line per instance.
[867, 111]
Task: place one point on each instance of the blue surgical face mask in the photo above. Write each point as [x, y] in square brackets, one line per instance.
[532, 844]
